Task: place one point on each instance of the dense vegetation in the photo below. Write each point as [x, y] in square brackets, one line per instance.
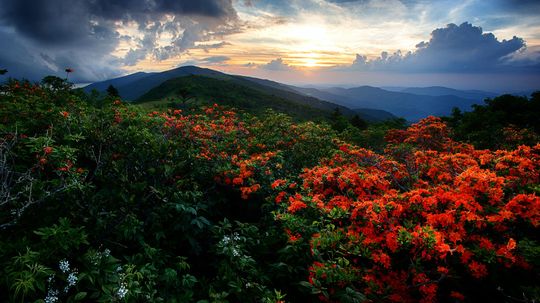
[502, 122]
[199, 89]
[106, 201]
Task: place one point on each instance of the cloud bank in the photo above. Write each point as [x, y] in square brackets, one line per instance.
[454, 48]
[83, 34]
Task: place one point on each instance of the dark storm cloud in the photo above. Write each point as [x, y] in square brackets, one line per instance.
[527, 7]
[74, 32]
[63, 21]
[463, 48]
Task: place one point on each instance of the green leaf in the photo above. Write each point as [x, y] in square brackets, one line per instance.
[80, 296]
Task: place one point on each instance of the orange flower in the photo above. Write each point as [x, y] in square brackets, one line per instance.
[47, 150]
[296, 204]
[511, 244]
[457, 295]
[478, 270]
[280, 196]
[238, 181]
[278, 183]
[64, 114]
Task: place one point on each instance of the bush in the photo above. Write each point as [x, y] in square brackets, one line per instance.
[105, 201]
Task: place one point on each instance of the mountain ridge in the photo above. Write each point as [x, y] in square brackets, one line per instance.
[411, 103]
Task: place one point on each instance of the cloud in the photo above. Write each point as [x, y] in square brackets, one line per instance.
[250, 65]
[277, 65]
[215, 59]
[346, 1]
[86, 32]
[208, 47]
[463, 48]
[528, 7]
[27, 59]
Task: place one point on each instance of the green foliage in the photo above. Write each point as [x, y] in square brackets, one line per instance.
[503, 122]
[200, 90]
[112, 91]
[104, 201]
[101, 203]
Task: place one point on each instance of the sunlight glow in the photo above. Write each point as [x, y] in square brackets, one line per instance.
[310, 62]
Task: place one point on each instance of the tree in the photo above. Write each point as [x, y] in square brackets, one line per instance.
[338, 121]
[55, 83]
[112, 91]
[358, 122]
[68, 71]
[184, 95]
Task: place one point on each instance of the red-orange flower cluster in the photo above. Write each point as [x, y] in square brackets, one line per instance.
[429, 202]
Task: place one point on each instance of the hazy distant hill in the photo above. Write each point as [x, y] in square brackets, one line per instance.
[410, 106]
[445, 91]
[370, 114]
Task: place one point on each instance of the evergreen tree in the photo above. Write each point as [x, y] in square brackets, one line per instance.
[358, 122]
[338, 121]
[112, 91]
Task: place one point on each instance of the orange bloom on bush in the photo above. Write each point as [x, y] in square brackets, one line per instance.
[457, 295]
[427, 203]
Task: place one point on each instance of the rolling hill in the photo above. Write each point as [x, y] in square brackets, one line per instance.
[251, 93]
[202, 89]
[135, 85]
[410, 106]
[371, 103]
[445, 91]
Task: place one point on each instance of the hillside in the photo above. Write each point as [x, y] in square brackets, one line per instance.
[119, 203]
[477, 95]
[205, 90]
[133, 86]
[410, 106]
[138, 87]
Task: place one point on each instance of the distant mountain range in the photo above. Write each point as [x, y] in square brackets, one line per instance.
[370, 103]
[403, 104]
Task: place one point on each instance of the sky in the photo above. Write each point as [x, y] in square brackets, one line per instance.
[469, 44]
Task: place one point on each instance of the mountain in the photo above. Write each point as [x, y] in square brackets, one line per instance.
[149, 87]
[445, 91]
[135, 85]
[117, 82]
[246, 96]
[374, 115]
[409, 106]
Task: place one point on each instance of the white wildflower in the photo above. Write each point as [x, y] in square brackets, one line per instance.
[64, 265]
[122, 291]
[95, 258]
[72, 278]
[52, 296]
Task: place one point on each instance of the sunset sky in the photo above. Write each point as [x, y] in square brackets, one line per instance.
[492, 45]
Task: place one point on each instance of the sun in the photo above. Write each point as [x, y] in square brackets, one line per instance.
[310, 62]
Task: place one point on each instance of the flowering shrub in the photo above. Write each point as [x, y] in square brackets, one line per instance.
[105, 201]
[411, 224]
